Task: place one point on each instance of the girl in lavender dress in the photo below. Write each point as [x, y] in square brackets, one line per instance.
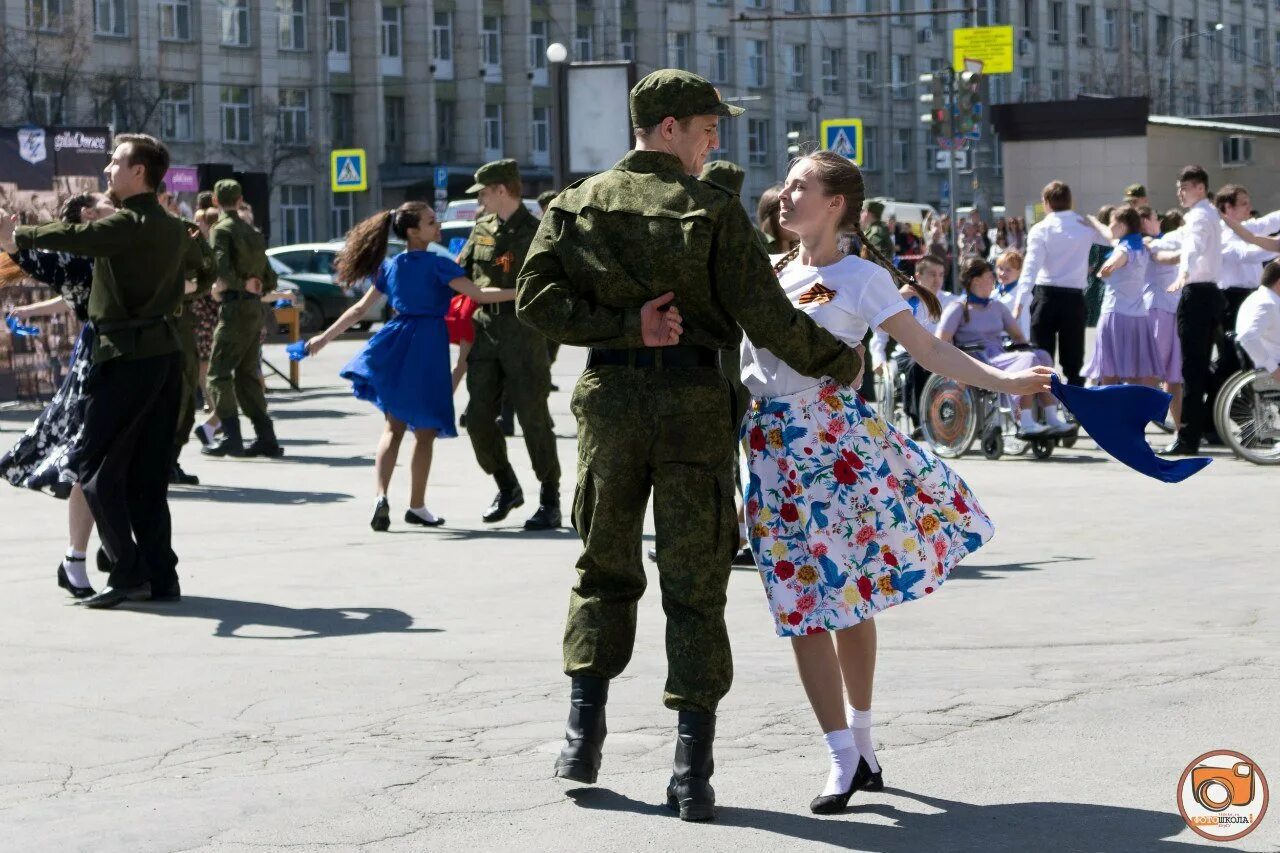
[1162, 306]
[849, 517]
[1124, 351]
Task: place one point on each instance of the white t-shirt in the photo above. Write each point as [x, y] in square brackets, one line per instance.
[880, 338]
[1011, 299]
[864, 297]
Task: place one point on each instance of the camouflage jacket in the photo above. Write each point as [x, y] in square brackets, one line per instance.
[241, 253]
[496, 250]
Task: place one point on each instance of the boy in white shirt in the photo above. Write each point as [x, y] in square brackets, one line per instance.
[1258, 323]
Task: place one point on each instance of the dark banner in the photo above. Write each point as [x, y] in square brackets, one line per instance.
[26, 158]
[82, 151]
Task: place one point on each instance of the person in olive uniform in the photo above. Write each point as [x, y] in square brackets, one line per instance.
[234, 380]
[876, 232]
[143, 257]
[658, 272]
[508, 359]
[196, 288]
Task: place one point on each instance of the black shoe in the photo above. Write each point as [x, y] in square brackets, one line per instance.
[411, 517]
[689, 792]
[506, 500]
[65, 583]
[111, 596]
[863, 779]
[508, 426]
[381, 521]
[548, 515]
[204, 434]
[178, 477]
[172, 592]
[103, 561]
[653, 554]
[1179, 448]
[579, 758]
[264, 442]
[231, 444]
[744, 558]
[462, 421]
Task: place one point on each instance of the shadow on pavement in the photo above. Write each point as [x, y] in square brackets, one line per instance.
[969, 571]
[495, 533]
[308, 414]
[958, 826]
[329, 461]
[307, 623]
[236, 494]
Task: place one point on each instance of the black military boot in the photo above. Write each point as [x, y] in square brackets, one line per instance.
[510, 496]
[264, 443]
[178, 477]
[231, 444]
[584, 733]
[690, 792]
[548, 515]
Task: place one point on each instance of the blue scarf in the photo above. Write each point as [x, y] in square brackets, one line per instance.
[975, 299]
[1006, 289]
[1131, 241]
[20, 329]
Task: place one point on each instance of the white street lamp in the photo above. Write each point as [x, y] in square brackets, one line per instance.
[556, 52]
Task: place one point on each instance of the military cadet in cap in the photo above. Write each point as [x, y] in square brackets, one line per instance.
[508, 358]
[234, 379]
[197, 286]
[655, 271]
[1135, 195]
[876, 232]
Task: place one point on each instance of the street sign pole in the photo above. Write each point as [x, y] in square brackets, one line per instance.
[954, 184]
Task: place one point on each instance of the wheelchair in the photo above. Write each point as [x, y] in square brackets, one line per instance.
[1246, 413]
[953, 416]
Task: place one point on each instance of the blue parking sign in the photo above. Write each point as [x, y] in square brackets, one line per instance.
[442, 178]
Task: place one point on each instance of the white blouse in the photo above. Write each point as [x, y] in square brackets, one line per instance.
[862, 296]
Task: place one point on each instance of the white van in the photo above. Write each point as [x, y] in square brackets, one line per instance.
[909, 212]
[465, 209]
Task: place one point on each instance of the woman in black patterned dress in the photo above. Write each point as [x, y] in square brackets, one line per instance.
[45, 457]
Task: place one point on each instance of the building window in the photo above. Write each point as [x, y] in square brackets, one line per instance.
[584, 43]
[868, 72]
[798, 72]
[491, 44]
[393, 118]
[627, 45]
[870, 149]
[294, 117]
[1084, 24]
[721, 59]
[931, 150]
[176, 109]
[45, 15]
[339, 27]
[757, 63]
[1259, 52]
[293, 24]
[110, 18]
[832, 70]
[1189, 43]
[1027, 84]
[1275, 59]
[1235, 41]
[903, 81]
[295, 213]
[900, 6]
[446, 113]
[758, 141]
[1110, 33]
[539, 39]
[1057, 21]
[1138, 32]
[1260, 100]
[724, 140]
[175, 20]
[342, 119]
[1055, 85]
[1164, 32]
[492, 131]
[902, 150]
[540, 135]
[341, 215]
[678, 50]
[237, 114]
[46, 101]
[392, 32]
[235, 22]
[1029, 19]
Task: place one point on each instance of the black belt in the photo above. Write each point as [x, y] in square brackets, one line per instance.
[1212, 284]
[496, 307]
[1053, 288]
[111, 326]
[658, 358]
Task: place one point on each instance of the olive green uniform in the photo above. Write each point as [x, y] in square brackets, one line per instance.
[234, 376]
[877, 234]
[204, 276]
[606, 246]
[508, 358]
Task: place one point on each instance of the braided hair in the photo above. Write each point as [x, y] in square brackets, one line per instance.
[840, 176]
[366, 245]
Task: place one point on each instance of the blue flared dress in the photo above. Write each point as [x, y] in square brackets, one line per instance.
[404, 368]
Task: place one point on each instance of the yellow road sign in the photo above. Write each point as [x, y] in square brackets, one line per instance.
[992, 46]
[843, 136]
[348, 172]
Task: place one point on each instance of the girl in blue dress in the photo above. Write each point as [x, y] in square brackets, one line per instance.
[404, 368]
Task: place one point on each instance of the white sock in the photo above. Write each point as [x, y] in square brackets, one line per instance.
[423, 513]
[1052, 418]
[860, 723]
[1026, 419]
[74, 565]
[844, 761]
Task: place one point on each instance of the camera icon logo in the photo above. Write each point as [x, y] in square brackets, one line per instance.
[1223, 795]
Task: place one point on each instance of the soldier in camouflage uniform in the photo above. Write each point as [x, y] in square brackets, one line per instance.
[234, 379]
[508, 358]
[876, 232]
[612, 253]
[199, 283]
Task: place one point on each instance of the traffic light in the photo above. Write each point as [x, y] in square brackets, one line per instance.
[939, 116]
[969, 104]
[793, 143]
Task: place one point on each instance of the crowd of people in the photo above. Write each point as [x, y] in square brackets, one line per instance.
[707, 336]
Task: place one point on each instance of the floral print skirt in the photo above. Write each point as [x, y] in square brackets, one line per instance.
[847, 515]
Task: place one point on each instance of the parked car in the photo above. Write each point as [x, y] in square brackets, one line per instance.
[912, 213]
[465, 209]
[309, 268]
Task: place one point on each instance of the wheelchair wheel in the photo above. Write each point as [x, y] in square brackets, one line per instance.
[949, 416]
[1042, 448]
[1069, 440]
[993, 442]
[1247, 415]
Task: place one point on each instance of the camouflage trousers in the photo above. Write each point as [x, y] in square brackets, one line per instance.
[235, 379]
[669, 432]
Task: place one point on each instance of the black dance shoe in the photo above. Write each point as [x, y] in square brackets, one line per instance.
[65, 583]
[178, 477]
[863, 780]
[1179, 448]
[112, 596]
[411, 517]
[381, 521]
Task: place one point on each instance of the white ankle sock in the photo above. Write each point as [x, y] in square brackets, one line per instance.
[74, 565]
[860, 723]
[423, 513]
[1052, 418]
[1026, 419]
[844, 761]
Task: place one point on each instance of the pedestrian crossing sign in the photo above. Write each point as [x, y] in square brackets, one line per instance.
[347, 172]
[844, 137]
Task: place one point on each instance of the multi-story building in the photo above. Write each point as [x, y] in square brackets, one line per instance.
[274, 85]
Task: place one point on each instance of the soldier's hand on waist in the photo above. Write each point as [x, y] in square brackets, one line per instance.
[660, 322]
[253, 284]
[189, 287]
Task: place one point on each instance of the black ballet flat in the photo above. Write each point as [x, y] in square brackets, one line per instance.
[381, 521]
[411, 517]
[863, 780]
[65, 583]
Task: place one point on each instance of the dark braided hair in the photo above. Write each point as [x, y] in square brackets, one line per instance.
[366, 244]
[840, 176]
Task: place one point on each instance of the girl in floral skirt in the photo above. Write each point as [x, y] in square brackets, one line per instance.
[848, 516]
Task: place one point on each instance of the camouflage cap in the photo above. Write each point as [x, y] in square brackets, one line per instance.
[676, 93]
[724, 174]
[497, 172]
[227, 191]
[1135, 191]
